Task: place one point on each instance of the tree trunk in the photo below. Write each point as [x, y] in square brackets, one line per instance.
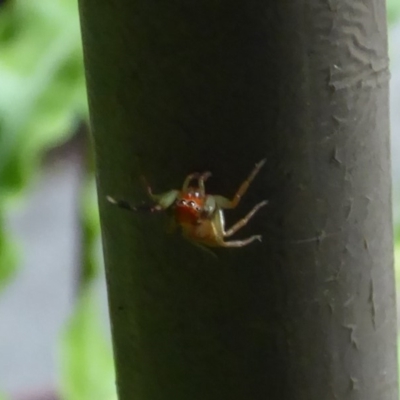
[179, 86]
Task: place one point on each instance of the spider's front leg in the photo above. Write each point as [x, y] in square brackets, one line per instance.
[201, 179]
[223, 202]
[162, 202]
[131, 207]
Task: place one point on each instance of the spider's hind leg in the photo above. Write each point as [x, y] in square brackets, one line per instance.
[241, 243]
[242, 222]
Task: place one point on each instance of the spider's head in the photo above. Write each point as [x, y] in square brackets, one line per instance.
[189, 206]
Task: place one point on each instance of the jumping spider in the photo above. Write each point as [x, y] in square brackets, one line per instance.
[200, 215]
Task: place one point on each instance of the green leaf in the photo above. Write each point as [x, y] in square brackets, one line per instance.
[87, 368]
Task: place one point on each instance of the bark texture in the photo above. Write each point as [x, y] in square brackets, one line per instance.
[180, 86]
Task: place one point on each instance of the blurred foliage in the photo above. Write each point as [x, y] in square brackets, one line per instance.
[8, 255]
[87, 363]
[393, 10]
[42, 95]
[90, 225]
[3, 396]
[42, 101]
[87, 367]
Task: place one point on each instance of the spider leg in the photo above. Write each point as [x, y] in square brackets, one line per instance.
[241, 243]
[242, 222]
[163, 200]
[226, 203]
[128, 206]
[202, 178]
[189, 178]
[149, 190]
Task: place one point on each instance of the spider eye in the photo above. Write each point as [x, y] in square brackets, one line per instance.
[192, 203]
[181, 202]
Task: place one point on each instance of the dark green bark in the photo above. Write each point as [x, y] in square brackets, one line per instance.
[181, 86]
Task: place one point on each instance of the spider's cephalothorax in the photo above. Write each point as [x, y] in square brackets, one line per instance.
[200, 215]
[188, 207]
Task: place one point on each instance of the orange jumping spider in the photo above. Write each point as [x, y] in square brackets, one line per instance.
[200, 215]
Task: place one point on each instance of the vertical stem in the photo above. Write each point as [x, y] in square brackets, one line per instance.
[176, 87]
